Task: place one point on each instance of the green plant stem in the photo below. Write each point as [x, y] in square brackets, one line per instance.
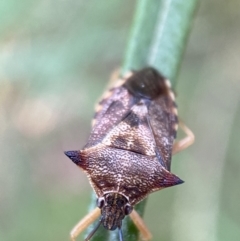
[158, 39]
[159, 35]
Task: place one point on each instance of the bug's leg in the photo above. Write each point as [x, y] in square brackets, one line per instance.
[84, 223]
[113, 77]
[116, 80]
[186, 141]
[138, 221]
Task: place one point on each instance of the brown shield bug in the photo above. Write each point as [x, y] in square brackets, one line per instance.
[128, 153]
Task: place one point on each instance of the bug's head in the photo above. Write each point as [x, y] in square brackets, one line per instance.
[114, 207]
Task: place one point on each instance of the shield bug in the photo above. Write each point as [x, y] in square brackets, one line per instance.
[128, 153]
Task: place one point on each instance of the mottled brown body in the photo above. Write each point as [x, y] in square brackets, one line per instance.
[128, 154]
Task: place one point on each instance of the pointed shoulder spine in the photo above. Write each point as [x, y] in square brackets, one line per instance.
[74, 156]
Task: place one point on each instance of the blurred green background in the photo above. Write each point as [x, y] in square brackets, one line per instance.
[55, 61]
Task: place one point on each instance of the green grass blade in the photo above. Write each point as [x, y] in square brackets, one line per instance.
[158, 38]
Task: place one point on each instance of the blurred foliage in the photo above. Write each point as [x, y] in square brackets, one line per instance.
[55, 60]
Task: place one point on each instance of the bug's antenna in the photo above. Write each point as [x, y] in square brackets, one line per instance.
[93, 231]
[120, 233]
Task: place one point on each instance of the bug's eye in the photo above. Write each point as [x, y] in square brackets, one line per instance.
[128, 209]
[100, 202]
